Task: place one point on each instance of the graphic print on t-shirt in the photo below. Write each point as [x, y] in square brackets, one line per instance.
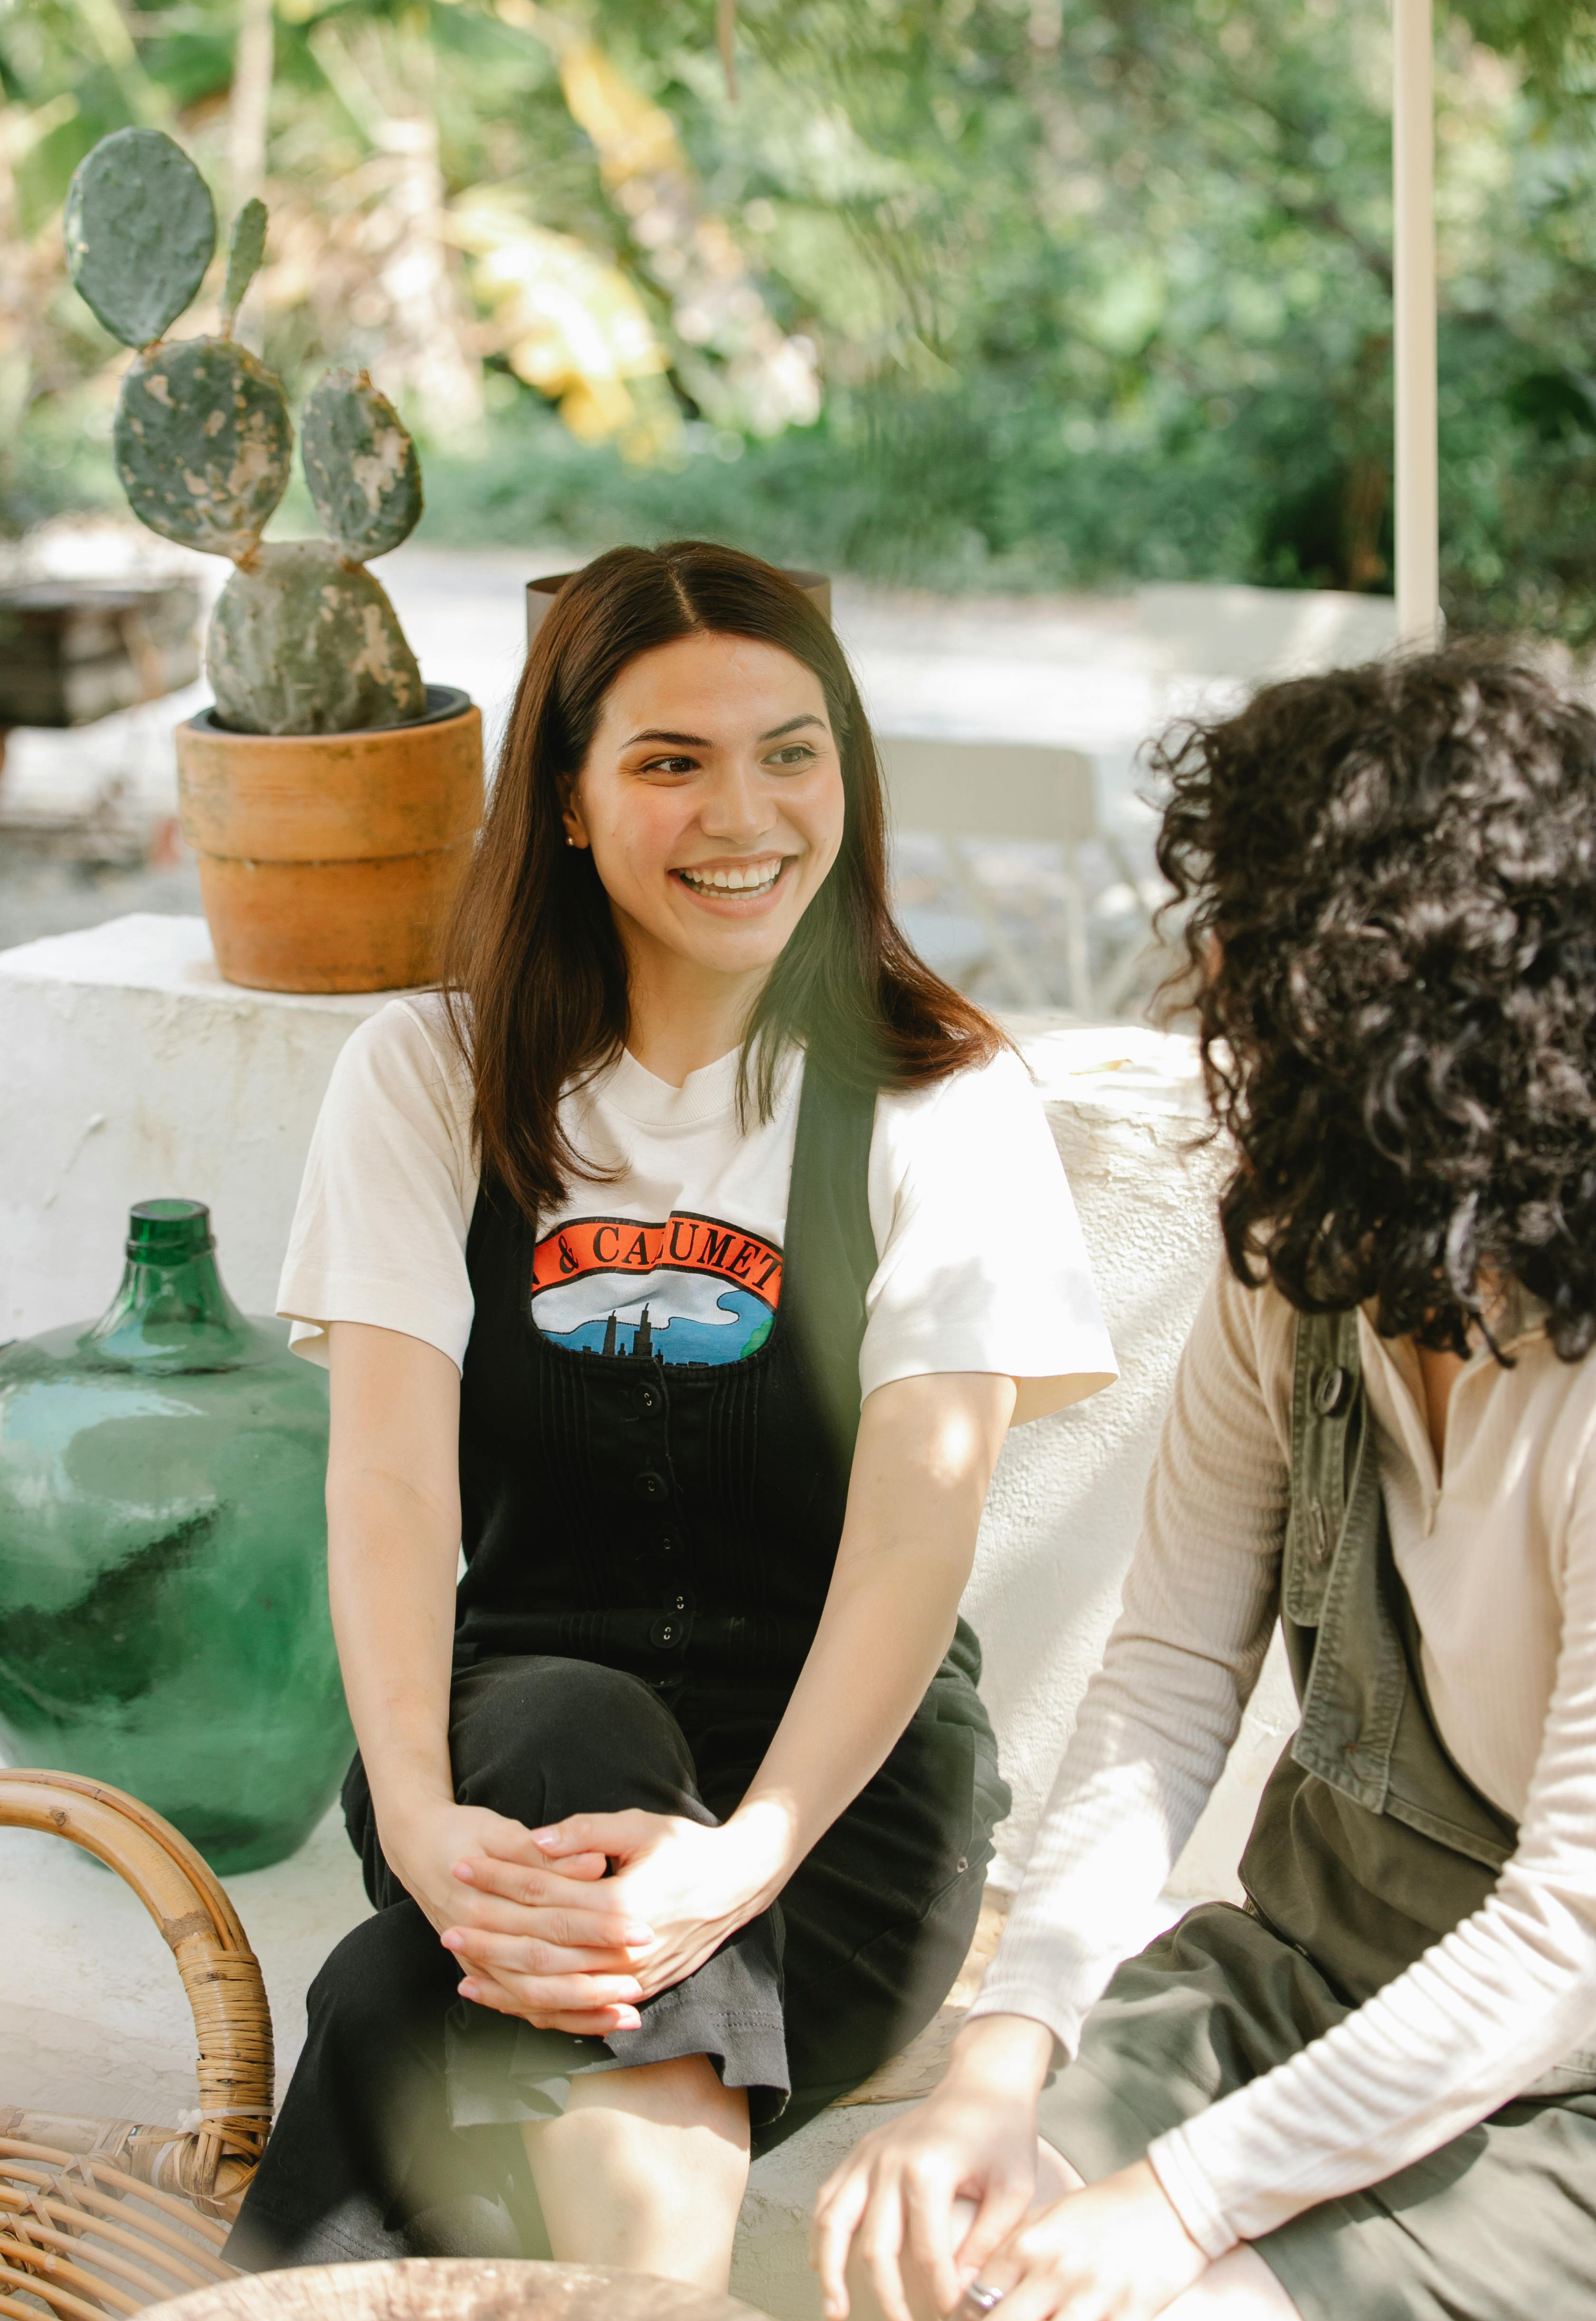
[691, 1290]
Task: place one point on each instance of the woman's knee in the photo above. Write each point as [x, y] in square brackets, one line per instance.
[541, 1737]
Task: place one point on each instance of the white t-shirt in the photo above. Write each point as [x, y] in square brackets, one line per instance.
[981, 1264]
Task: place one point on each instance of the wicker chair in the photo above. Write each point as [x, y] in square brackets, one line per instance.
[107, 2216]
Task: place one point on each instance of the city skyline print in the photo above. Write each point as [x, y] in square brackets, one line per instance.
[689, 1289]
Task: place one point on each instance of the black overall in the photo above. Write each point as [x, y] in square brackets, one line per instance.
[648, 1548]
[1369, 1846]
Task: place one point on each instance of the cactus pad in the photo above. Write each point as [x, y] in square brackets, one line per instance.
[245, 250]
[140, 230]
[360, 465]
[303, 642]
[202, 444]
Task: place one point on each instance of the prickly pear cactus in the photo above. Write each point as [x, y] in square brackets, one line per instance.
[302, 640]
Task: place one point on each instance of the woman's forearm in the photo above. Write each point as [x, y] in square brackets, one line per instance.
[878, 1646]
[926, 1450]
[393, 1541]
[392, 1592]
[1008, 2056]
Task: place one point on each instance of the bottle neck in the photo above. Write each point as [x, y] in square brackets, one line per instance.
[172, 1316]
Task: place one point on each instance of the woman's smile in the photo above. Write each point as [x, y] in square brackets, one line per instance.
[735, 885]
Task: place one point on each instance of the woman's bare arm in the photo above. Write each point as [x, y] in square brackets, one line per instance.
[924, 1460]
[393, 1543]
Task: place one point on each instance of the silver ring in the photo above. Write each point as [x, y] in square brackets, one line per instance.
[978, 2300]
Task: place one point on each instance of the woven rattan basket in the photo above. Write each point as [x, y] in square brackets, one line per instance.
[106, 2217]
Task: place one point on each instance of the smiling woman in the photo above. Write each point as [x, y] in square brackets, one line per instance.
[710, 845]
[651, 1259]
[686, 714]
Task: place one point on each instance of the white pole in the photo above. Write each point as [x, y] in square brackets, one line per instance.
[1413, 164]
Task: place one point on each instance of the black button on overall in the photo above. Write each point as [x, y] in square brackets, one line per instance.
[649, 1549]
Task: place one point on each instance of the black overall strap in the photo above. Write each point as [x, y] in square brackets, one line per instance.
[828, 1209]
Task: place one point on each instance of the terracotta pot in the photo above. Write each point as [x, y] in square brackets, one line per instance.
[328, 861]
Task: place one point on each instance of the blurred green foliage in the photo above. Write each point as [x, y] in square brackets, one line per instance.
[1098, 289]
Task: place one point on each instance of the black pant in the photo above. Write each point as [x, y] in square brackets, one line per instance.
[398, 2135]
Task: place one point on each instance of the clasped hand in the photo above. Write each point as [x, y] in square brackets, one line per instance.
[541, 1932]
[1114, 2251]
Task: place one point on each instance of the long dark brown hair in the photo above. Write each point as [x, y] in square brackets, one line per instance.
[535, 976]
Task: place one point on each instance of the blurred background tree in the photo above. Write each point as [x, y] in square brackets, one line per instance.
[1006, 294]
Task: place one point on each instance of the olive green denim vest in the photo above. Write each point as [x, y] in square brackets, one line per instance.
[1370, 1843]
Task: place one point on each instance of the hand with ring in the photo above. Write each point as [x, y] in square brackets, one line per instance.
[951, 2194]
[904, 2196]
[1113, 2250]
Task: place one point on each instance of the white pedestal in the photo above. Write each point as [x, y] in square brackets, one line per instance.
[133, 1071]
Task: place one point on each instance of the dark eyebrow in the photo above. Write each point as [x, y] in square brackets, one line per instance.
[699, 742]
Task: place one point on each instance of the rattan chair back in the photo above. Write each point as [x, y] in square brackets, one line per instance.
[106, 2217]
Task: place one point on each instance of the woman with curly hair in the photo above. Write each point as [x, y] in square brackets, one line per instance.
[1370, 2091]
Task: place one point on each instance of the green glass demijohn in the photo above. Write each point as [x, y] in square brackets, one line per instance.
[163, 1555]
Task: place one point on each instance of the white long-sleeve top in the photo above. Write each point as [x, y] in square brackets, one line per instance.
[1499, 1558]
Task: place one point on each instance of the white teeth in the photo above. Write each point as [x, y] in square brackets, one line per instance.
[756, 879]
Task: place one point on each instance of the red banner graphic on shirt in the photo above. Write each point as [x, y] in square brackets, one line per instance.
[684, 1243]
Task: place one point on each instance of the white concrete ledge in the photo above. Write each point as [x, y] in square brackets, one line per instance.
[133, 1072]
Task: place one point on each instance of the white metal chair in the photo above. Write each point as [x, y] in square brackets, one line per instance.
[959, 791]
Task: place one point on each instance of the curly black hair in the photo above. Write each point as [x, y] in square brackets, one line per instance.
[1390, 876]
